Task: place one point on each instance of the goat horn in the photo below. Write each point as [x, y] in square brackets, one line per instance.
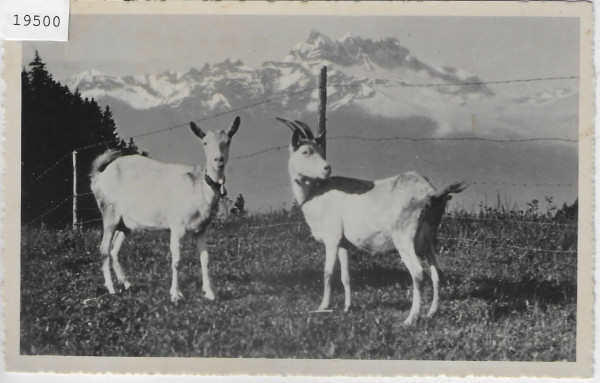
[293, 127]
[306, 128]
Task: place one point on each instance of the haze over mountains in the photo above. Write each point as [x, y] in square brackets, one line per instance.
[376, 89]
[358, 67]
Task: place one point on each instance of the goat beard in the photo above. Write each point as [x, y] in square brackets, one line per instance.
[218, 175]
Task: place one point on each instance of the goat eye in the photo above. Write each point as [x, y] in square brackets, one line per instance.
[304, 152]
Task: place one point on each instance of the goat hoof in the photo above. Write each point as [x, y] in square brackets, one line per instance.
[209, 295]
[127, 285]
[176, 296]
[431, 314]
[410, 321]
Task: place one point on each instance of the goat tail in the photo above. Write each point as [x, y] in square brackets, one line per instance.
[454, 188]
[437, 205]
[426, 237]
[102, 161]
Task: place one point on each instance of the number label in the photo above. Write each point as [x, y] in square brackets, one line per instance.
[34, 20]
[37, 20]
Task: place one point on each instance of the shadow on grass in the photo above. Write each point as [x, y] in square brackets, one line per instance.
[541, 291]
[375, 277]
[517, 296]
[307, 278]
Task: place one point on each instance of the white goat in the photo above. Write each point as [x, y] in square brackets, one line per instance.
[402, 212]
[136, 193]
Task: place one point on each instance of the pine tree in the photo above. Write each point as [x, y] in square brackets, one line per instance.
[40, 77]
[54, 123]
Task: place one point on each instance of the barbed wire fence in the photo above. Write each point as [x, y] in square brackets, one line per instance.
[86, 201]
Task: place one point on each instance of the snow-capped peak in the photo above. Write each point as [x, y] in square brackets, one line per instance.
[358, 69]
[89, 77]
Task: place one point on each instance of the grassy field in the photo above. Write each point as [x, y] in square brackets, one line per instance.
[500, 301]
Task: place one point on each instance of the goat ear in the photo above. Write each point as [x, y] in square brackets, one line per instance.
[234, 127]
[296, 139]
[197, 131]
[320, 138]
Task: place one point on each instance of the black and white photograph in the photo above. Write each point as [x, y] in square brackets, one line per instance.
[305, 184]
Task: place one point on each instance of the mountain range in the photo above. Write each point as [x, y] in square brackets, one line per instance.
[360, 71]
[375, 88]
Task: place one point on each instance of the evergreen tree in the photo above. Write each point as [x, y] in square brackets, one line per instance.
[54, 123]
[108, 124]
[40, 77]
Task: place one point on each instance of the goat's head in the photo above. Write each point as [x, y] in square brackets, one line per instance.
[306, 158]
[216, 148]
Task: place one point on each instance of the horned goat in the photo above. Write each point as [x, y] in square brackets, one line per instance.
[402, 212]
[138, 193]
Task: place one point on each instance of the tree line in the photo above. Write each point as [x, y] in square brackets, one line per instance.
[55, 121]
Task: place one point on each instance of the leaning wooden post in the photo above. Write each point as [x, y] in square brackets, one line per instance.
[74, 189]
[322, 125]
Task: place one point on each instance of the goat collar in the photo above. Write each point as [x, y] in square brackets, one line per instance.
[313, 188]
[306, 184]
[218, 188]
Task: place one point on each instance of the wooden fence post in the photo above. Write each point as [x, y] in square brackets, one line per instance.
[75, 223]
[322, 125]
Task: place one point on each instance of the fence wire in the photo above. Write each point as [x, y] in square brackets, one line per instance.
[312, 88]
[52, 209]
[500, 242]
[346, 137]
[511, 220]
[504, 245]
[48, 170]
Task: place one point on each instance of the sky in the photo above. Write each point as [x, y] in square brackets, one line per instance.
[493, 48]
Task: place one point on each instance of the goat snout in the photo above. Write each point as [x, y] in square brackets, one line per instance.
[327, 170]
[220, 160]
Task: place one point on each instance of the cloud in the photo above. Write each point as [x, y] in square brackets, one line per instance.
[552, 112]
